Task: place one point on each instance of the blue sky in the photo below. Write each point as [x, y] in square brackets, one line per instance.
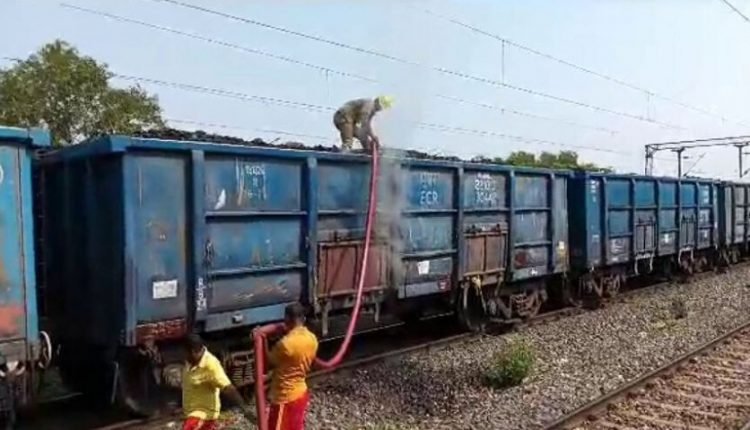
[693, 51]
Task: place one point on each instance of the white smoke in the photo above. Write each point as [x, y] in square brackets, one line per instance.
[398, 127]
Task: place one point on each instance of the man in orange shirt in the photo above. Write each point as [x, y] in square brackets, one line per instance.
[291, 359]
[202, 380]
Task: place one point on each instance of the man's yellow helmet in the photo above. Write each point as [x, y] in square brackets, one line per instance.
[385, 102]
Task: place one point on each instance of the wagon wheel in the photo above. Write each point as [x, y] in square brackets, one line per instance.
[532, 305]
[700, 264]
[690, 269]
[571, 296]
[138, 388]
[590, 291]
[612, 286]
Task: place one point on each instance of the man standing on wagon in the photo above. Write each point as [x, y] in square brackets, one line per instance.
[291, 359]
[354, 119]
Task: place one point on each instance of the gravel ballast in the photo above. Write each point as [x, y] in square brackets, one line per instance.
[578, 359]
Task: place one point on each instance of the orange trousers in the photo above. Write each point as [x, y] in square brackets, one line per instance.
[289, 416]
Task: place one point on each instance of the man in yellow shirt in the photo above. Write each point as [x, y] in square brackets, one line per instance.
[203, 379]
[291, 359]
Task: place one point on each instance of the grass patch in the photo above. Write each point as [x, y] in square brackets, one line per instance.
[510, 366]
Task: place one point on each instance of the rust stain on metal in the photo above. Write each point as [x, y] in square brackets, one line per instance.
[338, 267]
[3, 273]
[181, 238]
[4, 284]
[272, 290]
[11, 319]
[255, 257]
[163, 330]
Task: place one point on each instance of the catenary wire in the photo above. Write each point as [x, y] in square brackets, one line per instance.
[580, 68]
[323, 68]
[321, 109]
[737, 11]
[219, 42]
[260, 130]
[442, 70]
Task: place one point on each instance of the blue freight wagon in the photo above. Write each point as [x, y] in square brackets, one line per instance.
[153, 238]
[624, 225]
[20, 346]
[514, 241]
[734, 203]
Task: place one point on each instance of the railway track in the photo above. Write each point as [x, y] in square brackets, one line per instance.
[373, 352]
[361, 360]
[705, 389]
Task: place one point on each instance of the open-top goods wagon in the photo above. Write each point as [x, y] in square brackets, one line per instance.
[153, 238]
[628, 225]
[20, 346]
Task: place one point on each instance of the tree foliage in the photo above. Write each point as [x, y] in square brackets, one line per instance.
[69, 94]
[561, 160]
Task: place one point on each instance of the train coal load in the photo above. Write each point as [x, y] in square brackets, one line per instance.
[20, 346]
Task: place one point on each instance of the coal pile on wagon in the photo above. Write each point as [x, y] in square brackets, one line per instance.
[203, 136]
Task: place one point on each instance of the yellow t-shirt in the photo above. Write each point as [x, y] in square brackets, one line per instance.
[291, 359]
[201, 386]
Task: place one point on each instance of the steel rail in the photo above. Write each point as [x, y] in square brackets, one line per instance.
[539, 319]
[589, 411]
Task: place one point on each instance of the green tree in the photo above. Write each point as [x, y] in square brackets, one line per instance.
[561, 160]
[522, 158]
[69, 94]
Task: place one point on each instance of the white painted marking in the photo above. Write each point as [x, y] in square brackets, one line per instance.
[423, 267]
[428, 198]
[164, 289]
[485, 190]
[201, 303]
[2, 174]
[222, 200]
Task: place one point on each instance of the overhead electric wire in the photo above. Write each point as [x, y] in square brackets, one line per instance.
[525, 114]
[737, 11]
[695, 163]
[219, 42]
[321, 108]
[583, 69]
[260, 130]
[442, 70]
[226, 93]
[320, 68]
